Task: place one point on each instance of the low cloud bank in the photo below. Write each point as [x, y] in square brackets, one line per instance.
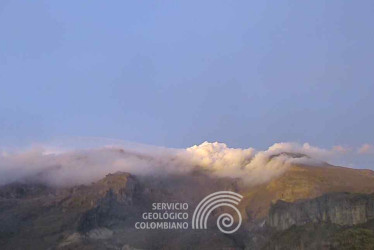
[54, 166]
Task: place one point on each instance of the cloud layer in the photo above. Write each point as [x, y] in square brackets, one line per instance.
[55, 166]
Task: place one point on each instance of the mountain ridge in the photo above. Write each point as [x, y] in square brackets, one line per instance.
[102, 215]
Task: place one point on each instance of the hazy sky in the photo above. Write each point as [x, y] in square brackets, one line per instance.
[177, 73]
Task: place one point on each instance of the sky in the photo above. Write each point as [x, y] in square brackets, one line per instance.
[178, 73]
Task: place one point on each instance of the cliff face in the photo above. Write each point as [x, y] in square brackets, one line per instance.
[337, 208]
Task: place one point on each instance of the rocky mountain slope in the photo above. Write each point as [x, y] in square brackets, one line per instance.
[336, 208]
[331, 221]
[305, 182]
[102, 215]
[38, 216]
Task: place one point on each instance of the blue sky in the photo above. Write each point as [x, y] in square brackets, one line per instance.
[177, 73]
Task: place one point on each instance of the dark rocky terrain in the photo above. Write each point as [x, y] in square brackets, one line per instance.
[336, 208]
[331, 221]
[305, 208]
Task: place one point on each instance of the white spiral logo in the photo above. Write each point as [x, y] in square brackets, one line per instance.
[213, 201]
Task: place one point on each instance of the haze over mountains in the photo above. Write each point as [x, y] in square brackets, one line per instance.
[61, 166]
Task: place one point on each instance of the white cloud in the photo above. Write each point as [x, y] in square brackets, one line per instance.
[56, 166]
